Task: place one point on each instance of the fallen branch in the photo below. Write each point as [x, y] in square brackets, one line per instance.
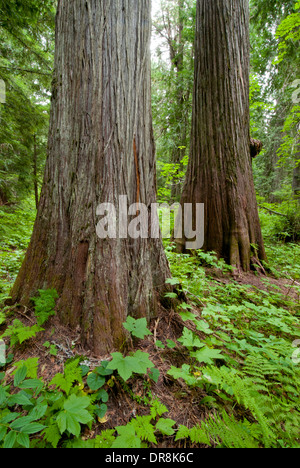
[273, 212]
[25, 70]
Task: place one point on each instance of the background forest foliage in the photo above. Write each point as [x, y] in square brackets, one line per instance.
[240, 374]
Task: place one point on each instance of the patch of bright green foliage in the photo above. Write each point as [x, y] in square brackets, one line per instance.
[35, 414]
[55, 412]
[15, 231]
[44, 309]
[238, 360]
[244, 360]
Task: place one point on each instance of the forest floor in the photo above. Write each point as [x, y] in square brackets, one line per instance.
[224, 357]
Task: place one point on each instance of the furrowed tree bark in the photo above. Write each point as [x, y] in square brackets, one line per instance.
[35, 177]
[100, 130]
[220, 170]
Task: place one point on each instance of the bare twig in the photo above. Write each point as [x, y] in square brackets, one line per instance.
[273, 212]
[23, 314]
[25, 70]
[155, 330]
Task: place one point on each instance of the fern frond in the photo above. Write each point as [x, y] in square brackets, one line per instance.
[227, 432]
[246, 395]
[72, 373]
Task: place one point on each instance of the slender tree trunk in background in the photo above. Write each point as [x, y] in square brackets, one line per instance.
[100, 131]
[220, 170]
[3, 198]
[177, 58]
[35, 179]
[172, 29]
[296, 175]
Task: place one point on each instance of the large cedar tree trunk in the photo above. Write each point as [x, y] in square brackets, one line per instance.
[220, 169]
[100, 147]
[35, 175]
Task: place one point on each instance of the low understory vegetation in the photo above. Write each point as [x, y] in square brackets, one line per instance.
[222, 370]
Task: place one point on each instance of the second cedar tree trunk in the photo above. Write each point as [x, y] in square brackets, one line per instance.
[100, 143]
[220, 170]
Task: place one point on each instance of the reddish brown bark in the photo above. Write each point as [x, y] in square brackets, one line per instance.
[35, 176]
[220, 170]
[100, 128]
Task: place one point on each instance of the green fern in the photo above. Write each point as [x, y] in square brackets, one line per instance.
[279, 380]
[45, 305]
[18, 332]
[221, 431]
[245, 394]
[227, 432]
[72, 373]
